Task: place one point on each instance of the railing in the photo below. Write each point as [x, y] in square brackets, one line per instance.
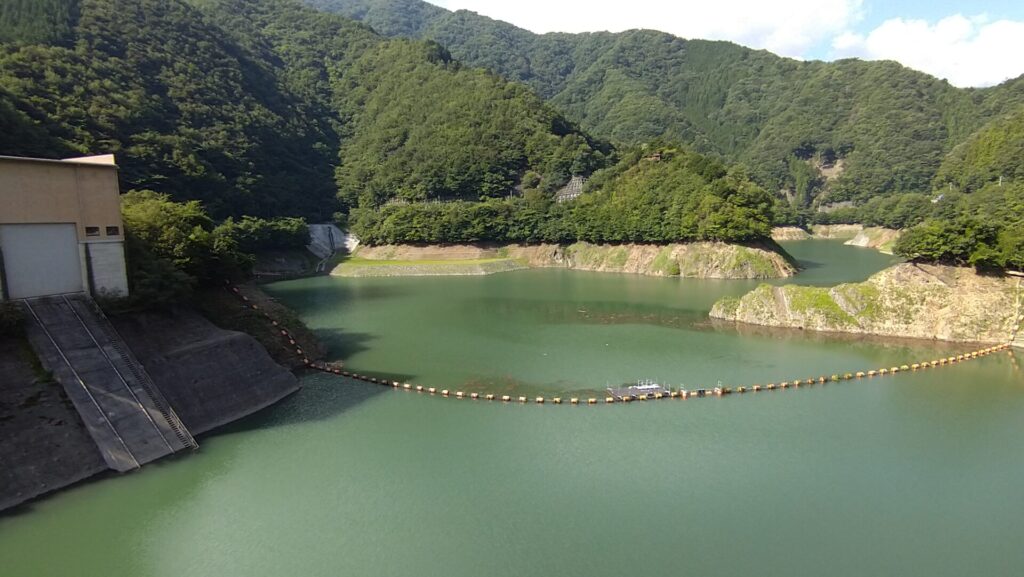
[143, 378]
[81, 383]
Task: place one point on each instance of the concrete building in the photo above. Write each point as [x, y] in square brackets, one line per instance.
[60, 228]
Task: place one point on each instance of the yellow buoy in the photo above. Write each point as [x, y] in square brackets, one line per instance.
[522, 399]
[557, 400]
[642, 397]
[574, 400]
[540, 400]
[506, 398]
[432, 390]
[591, 401]
[609, 400]
[419, 388]
[445, 392]
[458, 394]
[860, 374]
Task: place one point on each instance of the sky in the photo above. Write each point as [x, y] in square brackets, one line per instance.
[977, 43]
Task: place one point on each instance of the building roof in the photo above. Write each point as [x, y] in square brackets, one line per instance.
[103, 160]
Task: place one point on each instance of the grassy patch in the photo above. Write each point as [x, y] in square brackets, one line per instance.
[664, 263]
[816, 301]
[758, 263]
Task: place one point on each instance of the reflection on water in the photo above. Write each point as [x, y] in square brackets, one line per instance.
[917, 474]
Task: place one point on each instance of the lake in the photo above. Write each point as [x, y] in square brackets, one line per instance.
[914, 474]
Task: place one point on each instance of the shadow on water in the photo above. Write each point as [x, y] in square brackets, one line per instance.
[322, 398]
[796, 335]
[343, 345]
[314, 292]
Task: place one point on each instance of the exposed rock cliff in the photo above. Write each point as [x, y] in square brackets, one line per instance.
[907, 300]
[878, 238]
[697, 260]
[789, 233]
[839, 231]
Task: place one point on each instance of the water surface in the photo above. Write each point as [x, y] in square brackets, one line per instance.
[919, 474]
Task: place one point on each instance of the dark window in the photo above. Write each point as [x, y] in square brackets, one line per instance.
[113, 231]
[92, 231]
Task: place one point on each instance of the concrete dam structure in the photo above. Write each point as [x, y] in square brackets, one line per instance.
[123, 410]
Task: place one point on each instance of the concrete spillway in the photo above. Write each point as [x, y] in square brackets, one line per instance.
[124, 412]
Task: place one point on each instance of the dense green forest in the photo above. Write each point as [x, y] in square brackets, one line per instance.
[984, 228]
[651, 196]
[271, 108]
[995, 152]
[819, 132]
[267, 107]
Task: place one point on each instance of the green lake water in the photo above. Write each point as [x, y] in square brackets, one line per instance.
[916, 474]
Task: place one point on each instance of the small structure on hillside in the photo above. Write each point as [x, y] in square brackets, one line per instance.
[571, 190]
[60, 228]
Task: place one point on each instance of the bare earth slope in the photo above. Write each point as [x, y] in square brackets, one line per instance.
[696, 260]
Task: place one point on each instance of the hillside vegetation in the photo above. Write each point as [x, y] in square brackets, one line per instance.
[248, 107]
[660, 195]
[820, 133]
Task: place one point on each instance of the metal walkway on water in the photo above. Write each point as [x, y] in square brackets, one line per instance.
[124, 411]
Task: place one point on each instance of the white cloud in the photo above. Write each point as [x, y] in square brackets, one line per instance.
[787, 27]
[966, 51]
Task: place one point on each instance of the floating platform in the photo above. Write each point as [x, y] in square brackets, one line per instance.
[634, 391]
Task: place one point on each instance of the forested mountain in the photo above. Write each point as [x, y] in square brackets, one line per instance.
[652, 195]
[819, 132]
[248, 106]
[993, 153]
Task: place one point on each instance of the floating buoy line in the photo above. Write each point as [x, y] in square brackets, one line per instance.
[718, 391]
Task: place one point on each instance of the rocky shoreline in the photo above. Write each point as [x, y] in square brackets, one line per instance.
[907, 300]
[710, 260]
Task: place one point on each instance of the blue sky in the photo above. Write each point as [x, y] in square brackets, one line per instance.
[969, 43]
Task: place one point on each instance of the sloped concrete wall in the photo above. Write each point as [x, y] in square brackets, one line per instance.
[209, 375]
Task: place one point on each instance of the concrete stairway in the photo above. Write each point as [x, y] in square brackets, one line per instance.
[124, 411]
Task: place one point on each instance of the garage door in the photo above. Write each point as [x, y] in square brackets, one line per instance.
[40, 259]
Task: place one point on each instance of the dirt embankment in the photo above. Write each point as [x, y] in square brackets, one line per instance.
[697, 260]
[881, 239]
[906, 300]
[837, 231]
[789, 233]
